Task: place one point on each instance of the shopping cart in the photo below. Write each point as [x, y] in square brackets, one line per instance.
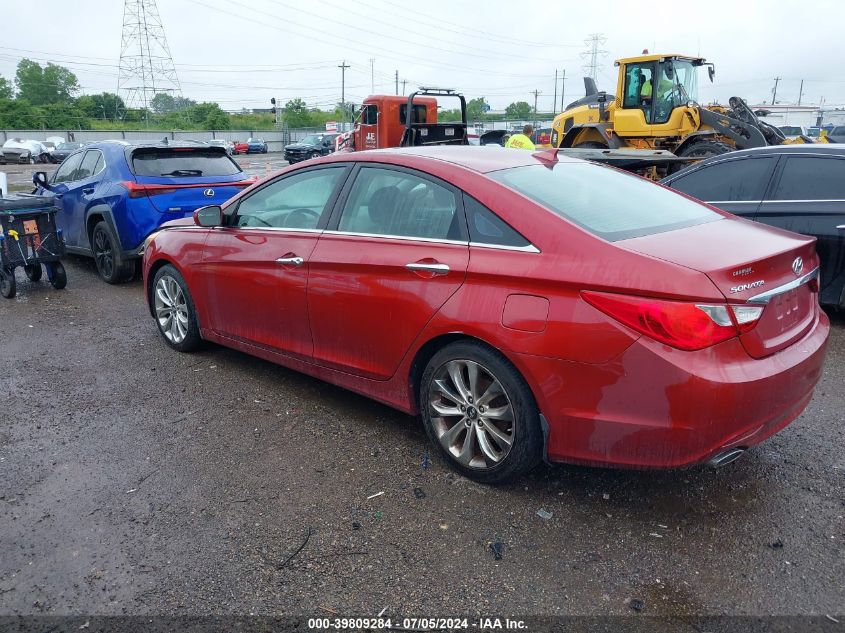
[29, 238]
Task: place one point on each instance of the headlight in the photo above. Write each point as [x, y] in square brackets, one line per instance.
[147, 241]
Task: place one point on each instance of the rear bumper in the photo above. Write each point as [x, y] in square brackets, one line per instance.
[657, 407]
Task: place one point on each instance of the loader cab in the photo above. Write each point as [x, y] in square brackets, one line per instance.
[655, 94]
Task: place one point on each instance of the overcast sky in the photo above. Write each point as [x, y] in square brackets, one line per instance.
[240, 53]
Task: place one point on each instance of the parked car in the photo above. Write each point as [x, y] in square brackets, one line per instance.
[526, 305]
[63, 150]
[312, 146]
[792, 131]
[813, 131]
[17, 150]
[113, 194]
[229, 146]
[837, 134]
[256, 146]
[800, 188]
[241, 147]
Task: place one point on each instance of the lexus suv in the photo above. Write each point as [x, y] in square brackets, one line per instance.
[112, 195]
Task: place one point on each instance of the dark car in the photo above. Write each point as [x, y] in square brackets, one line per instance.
[63, 150]
[837, 134]
[796, 187]
[311, 146]
[256, 146]
[112, 195]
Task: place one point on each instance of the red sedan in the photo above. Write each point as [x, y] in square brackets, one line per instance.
[526, 306]
[240, 147]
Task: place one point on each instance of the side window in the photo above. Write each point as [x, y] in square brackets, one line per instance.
[370, 115]
[638, 88]
[295, 202]
[811, 178]
[485, 227]
[419, 113]
[88, 166]
[388, 202]
[65, 172]
[739, 180]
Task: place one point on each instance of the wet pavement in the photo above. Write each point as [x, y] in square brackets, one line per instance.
[136, 480]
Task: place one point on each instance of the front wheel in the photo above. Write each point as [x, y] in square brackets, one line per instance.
[8, 286]
[57, 275]
[480, 413]
[174, 309]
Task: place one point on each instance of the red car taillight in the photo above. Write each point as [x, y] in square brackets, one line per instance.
[680, 324]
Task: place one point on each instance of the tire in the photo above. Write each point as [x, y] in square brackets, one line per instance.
[57, 275]
[33, 272]
[8, 286]
[315, 155]
[175, 314]
[463, 418]
[705, 149]
[112, 266]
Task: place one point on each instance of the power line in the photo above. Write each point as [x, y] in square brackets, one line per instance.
[591, 55]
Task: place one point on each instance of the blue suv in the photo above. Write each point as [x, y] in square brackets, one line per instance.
[114, 194]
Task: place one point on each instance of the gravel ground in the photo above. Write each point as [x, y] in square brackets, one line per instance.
[136, 480]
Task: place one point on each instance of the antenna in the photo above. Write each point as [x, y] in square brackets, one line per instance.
[146, 65]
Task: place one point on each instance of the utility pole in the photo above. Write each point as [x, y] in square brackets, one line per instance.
[554, 102]
[562, 88]
[404, 81]
[372, 76]
[775, 91]
[536, 93]
[801, 92]
[343, 68]
[397, 82]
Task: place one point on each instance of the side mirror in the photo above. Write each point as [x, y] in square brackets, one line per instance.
[39, 179]
[209, 216]
[711, 72]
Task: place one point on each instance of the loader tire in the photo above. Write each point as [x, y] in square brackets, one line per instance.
[705, 149]
[590, 145]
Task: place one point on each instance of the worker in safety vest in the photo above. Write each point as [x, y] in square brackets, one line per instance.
[522, 141]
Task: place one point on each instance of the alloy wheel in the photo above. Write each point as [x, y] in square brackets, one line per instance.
[171, 309]
[472, 415]
[103, 253]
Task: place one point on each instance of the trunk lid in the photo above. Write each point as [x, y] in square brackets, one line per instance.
[745, 261]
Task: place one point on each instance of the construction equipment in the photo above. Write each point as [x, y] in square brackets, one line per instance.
[656, 108]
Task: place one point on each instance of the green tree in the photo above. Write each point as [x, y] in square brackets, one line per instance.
[19, 114]
[162, 103]
[519, 110]
[43, 86]
[476, 109]
[104, 106]
[64, 115]
[7, 90]
[297, 114]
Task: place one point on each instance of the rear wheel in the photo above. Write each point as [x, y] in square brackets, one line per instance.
[113, 267]
[8, 287]
[479, 412]
[33, 272]
[57, 275]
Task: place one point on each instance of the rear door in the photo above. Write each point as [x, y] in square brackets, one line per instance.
[735, 185]
[63, 186]
[255, 271]
[808, 197]
[396, 251]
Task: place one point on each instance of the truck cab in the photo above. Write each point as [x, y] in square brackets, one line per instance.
[398, 121]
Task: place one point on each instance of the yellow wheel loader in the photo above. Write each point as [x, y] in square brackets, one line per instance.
[656, 108]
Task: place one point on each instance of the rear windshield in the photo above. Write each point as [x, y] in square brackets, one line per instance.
[790, 130]
[608, 203]
[183, 162]
[838, 130]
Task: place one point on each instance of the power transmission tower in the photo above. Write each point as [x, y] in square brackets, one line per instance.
[593, 53]
[146, 65]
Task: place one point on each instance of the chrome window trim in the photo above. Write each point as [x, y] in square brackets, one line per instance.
[764, 297]
[530, 248]
[283, 229]
[733, 201]
[783, 201]
[430, 240]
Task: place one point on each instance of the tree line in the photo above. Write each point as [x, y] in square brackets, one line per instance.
[48, 97]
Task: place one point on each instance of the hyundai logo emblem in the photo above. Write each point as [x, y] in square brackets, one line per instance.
[209, 193]
[797, 265]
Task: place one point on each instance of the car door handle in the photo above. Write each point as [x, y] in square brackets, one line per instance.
[841, 227]
[88, 191]
[437, 269]
[290, 261]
